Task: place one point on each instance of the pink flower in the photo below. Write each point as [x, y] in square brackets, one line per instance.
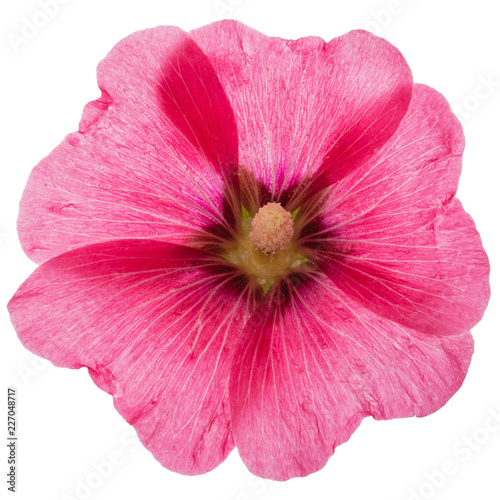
[351, 294]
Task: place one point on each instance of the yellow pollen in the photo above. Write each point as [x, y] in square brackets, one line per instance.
[271, 228]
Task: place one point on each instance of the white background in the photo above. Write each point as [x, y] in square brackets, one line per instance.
[67, 426]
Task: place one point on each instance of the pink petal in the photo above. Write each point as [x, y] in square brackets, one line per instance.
[152, 159]
[305, 106]
[314, 363]
[398, 240]
[156, 325]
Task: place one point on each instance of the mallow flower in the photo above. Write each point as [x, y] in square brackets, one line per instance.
[254, 242]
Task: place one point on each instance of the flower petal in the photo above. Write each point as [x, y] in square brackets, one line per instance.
[153, 158]
[314, 363]
[155, 324]
[398, 240]
[305, 106]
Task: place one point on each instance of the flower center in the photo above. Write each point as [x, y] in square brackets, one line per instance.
[272, 228]
[266, 249]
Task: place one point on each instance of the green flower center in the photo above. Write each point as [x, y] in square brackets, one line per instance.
[266, 248]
